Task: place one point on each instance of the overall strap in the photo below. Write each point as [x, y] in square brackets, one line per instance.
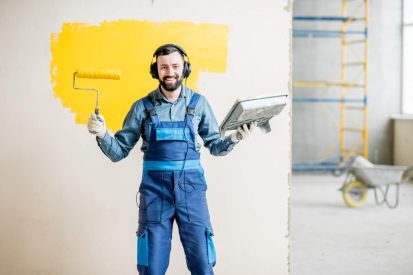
[190, 110]
[150, 108]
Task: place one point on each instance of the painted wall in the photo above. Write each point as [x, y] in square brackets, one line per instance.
[67, 209]
[319, 59]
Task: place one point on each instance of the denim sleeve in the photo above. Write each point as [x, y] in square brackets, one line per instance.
[208, 130]
[117, 147]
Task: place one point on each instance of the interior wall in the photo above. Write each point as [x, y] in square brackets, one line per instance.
[318, 59]
[67, 209]
[403, 142]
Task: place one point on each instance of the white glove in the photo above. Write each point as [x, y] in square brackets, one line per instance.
[243, 132]
[96, 125]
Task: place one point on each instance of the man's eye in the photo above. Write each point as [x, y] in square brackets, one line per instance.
[175, 67]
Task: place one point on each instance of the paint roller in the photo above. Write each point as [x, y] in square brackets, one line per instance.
[95, 74]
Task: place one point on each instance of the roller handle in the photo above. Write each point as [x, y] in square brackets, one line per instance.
[97, 113]
[98, 116]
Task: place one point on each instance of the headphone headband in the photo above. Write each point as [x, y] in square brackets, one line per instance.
[179, 48]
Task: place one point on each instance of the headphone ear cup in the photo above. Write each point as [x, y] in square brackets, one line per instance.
[154, 70]
[187, 69]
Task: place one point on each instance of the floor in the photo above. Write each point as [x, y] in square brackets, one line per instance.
[332, 239]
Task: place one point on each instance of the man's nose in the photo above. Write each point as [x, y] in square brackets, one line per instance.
[169, 70]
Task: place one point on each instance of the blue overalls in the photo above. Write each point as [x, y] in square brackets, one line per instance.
[173, 187]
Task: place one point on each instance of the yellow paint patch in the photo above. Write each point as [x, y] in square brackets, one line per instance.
[128, 46]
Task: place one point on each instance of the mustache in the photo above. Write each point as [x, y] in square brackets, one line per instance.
[171, 77]
[171, 87]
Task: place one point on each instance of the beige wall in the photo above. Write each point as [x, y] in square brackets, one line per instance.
[66, 209]
[402, 140]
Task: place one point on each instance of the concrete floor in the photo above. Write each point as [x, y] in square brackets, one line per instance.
[330, 238]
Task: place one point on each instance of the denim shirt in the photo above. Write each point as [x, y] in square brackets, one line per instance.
[135, 125]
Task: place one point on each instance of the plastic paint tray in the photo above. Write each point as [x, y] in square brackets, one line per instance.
[260, 109]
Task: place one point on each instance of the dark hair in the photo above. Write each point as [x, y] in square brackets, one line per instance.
[168, 49]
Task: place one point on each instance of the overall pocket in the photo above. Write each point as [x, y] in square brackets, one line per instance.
[173, 134]
[196, 201]
[142, 247]
[150, 199]
[212, 258]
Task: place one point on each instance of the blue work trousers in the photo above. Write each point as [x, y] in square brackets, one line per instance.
[166, 196]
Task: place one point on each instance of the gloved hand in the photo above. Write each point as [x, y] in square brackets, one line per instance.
[96, 125]
[243, 132]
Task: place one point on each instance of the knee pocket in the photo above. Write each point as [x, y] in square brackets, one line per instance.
[142, 246]
[212, 258]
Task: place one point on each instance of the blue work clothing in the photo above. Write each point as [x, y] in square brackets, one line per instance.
[173, 186]
[136, 123]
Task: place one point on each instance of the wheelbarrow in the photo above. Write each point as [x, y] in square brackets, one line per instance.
[363, 175]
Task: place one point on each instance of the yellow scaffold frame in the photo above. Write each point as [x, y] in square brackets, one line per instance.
[346, 105]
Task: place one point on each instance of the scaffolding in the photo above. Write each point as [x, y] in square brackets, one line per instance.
[347, 102]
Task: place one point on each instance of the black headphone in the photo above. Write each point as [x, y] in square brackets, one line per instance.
[154, 66]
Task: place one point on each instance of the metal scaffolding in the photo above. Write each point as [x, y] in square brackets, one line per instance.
[346, 103]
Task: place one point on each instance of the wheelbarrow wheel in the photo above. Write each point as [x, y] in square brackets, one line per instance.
[355, 194]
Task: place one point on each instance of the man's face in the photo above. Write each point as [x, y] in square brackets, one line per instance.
[170, 68]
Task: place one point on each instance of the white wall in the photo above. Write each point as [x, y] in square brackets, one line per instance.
[66, 209]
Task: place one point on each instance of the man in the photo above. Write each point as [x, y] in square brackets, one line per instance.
[173, 186]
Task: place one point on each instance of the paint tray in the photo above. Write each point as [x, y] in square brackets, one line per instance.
[260, 109]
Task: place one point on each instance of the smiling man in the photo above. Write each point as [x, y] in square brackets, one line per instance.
[169, 120]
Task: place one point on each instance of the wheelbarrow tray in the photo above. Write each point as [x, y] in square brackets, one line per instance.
[378, 175]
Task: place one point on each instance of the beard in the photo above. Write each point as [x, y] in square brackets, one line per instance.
[171, 87]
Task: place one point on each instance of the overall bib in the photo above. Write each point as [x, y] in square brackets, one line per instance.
[173, 188]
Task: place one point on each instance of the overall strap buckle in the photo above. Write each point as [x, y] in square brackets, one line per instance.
[190, 110]
[150, 108]
[152, 112]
